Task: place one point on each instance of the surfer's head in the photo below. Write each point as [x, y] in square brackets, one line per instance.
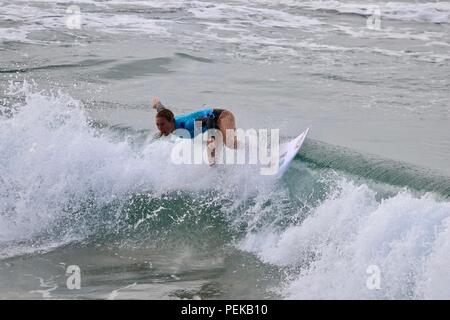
[165, 121]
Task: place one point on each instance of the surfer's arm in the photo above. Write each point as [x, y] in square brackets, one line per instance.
[156, 104]
[157, 135]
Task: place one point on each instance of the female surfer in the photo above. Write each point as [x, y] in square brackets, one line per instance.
[220, 119]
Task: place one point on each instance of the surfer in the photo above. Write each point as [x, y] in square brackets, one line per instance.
[209, 118]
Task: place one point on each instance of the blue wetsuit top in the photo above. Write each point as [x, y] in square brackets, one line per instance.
[187, 121]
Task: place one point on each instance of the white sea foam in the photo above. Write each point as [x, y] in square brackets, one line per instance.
[30, 17]
[436, 12]
[259, 30]
[405, 236]
[262, 17]
[52, 161]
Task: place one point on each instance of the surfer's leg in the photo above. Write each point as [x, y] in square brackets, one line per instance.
[227, 127]
[211, 151]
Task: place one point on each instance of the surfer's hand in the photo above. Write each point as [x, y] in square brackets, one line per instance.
[155, 102]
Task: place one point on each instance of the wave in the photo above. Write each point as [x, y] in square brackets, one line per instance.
[375, 168]
[65, 177]
[81, 64]
[434, 12]
[67, 180]
[261, 31]
[332, 253]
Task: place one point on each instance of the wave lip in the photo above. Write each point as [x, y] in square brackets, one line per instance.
[375, 168]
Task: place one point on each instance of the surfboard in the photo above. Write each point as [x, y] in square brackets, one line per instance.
[289, 150]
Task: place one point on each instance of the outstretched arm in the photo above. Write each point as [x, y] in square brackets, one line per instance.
[156, 104]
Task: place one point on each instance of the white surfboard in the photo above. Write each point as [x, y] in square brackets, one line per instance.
[289, 150]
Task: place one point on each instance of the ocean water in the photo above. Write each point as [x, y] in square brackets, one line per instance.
[362, 213]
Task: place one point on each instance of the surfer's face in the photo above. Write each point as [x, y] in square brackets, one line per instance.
[164, 126]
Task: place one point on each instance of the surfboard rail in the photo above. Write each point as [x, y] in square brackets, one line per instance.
[289, 150]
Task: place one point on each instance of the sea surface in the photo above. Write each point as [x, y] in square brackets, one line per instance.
[362, 213]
